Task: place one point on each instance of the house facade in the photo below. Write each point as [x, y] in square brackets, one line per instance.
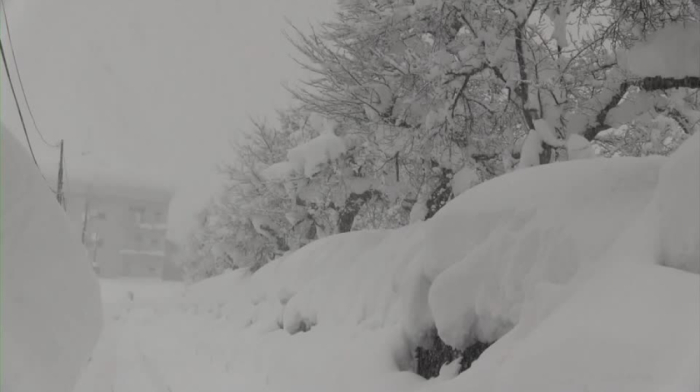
[123, 228]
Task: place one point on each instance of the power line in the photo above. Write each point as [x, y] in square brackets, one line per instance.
[19, 76]
[14, 94]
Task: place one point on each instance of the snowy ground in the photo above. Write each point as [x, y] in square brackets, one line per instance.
[584, 285]
[164, 341]
[154, 344]
[120, 362]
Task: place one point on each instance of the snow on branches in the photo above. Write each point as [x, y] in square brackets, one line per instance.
[405, 94]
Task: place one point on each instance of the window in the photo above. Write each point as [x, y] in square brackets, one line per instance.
[138, 238]
[101, 216]
[154, 242]
[159, 217]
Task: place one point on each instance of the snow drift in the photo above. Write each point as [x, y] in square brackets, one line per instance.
[51, 313]
[562, 265]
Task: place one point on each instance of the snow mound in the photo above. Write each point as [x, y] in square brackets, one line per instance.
[531, 150]
[559, 265]
[633, 327]
[507, 236]
[497, 243]
[51, 313]
[679, 214]
[464, 179]
[308, 158]
[578, 147]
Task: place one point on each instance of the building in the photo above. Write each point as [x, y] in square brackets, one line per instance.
[123, 228]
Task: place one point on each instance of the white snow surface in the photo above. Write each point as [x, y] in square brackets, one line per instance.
[547, 133]
[279, 171]
[464, 179]
[674, 51]
[561, 264]
[531, 150]
[578, 147]
[679, 221]
[309, 157]
[51, 316]
[419, 211]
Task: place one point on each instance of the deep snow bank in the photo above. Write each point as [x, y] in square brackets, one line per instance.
[490, 246]
[633, 327]
[560, 264]
[679, 215]
[51, 313]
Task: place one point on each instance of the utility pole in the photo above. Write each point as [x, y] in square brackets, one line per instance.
[86, 213]
[85, 217]
[59, 187]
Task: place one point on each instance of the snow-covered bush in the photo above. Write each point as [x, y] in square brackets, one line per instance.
[558, 276]
[412, 104]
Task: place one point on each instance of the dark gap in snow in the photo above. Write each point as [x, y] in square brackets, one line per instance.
[429, 360]
[442, 192]
[471, 354]
[302, 326]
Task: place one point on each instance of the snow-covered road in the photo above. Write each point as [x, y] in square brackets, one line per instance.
[119, 362]
[151, 344]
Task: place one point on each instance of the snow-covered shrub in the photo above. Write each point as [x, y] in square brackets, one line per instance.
[412, 105]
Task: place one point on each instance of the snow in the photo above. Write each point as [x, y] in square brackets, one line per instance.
[530, 152]
[558, 15]
[578, 147]
[692, 117]
[51, 315]
[419, 211]
[518, 240]
[608, 336]
[464, 179]
[279, 171]
[674, 51]
[547, 133]
[309, 157]
[678, 196]
[559, 263]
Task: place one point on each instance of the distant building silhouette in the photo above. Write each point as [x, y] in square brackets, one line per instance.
[123, 229]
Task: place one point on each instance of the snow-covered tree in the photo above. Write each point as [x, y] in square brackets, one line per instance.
[414, 102]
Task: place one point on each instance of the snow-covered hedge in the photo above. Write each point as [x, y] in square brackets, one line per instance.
[560, 265]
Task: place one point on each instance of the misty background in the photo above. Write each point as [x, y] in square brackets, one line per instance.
[151, 93]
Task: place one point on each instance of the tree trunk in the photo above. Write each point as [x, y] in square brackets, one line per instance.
[353, 204]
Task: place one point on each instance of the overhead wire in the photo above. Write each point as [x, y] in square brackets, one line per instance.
[14, 94]
[19, 77]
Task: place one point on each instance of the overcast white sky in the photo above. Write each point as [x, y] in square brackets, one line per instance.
[151, 91]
